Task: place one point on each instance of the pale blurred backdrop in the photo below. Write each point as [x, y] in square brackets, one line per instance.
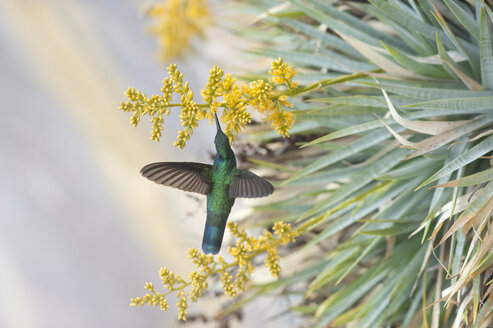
[80, 230]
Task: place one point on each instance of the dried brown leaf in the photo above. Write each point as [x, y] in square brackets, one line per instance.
[403, 141]
[442, 139]
[468, 271]
[372, 53]
[427, 127]
[480, 216]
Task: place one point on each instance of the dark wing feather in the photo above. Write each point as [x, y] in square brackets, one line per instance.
[245, 184]
[187, 176]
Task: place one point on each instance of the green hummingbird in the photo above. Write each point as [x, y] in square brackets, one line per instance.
[222, 182]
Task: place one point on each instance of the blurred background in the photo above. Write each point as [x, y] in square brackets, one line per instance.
[80, 230]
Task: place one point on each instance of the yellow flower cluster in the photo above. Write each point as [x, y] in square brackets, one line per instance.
[178, 22]
[248, 246]
[272, 262]
[169, 278]
[282, 73]
[152, 299]
[182, 306]
[221, 91]
[245, 249]
[284, 232]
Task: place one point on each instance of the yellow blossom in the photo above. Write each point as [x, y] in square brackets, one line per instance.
[228, 83]
[284, 231]
[196, 278]
[235, 115]
[176, 77]
[282, 121]
[196, 293]
[246, 248]
[242, 277]
[284, 100]
[212, 91]
[240, 254]
[214, 87]
[259, 91]
[149, 286]
[169, 278]
[227, 280]
[200, 259]
[271, 261]
[167, 91]
[283, 73]
[238, 232]
[221, 91]
[190, 115]
[163, 304]
[182, 306]
[152, 299]
[177, 23]
[157, 127]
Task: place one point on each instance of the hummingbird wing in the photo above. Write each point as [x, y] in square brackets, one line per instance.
[187, 176]
[245, 184]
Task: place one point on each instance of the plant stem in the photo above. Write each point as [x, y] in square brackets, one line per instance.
[324, 83]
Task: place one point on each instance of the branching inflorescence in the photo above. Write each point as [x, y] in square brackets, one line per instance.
[233, 275]
[221, 91]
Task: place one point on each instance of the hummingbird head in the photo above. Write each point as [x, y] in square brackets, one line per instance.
[221, 141]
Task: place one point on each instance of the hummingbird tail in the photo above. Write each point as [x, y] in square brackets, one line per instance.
[213, 235]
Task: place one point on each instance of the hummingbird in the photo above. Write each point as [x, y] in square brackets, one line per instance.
[222, 182]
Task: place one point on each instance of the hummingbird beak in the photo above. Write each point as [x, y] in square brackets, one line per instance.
[217, 123]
